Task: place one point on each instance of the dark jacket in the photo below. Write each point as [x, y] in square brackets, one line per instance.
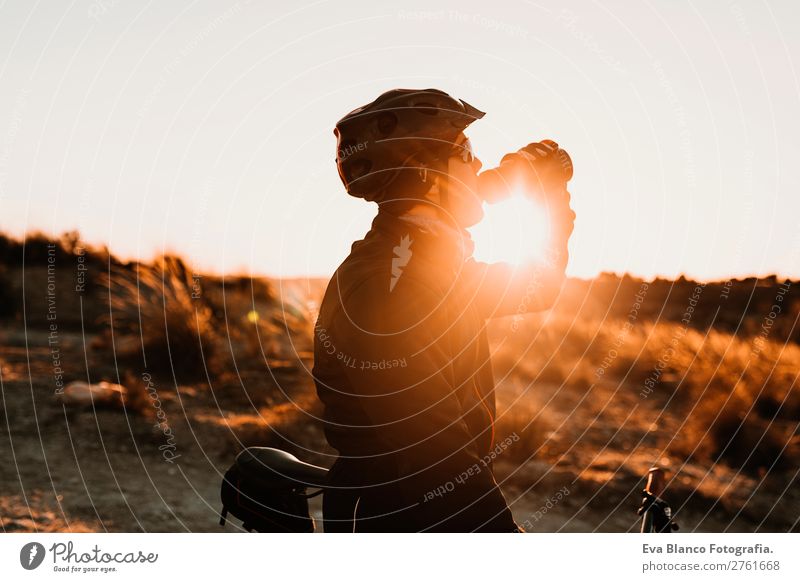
[402, 366]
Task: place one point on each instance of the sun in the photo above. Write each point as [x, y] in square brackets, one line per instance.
[515, 230]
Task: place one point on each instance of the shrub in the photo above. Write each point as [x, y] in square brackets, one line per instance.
[160, 320]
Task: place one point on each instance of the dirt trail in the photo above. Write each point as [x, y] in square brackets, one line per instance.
[103, 470]
[97, 470]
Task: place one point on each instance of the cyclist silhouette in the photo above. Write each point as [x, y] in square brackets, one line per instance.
[402, 362]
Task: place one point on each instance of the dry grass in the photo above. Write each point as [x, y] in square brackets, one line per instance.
[160, 318]
[737, 399]
[38, 512]
[258, 326]
[728, 398]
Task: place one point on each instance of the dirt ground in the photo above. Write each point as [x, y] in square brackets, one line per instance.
[90, 469]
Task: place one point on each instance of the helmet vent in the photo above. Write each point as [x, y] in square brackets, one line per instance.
[359, 168]
[346, 147]
[387, 122]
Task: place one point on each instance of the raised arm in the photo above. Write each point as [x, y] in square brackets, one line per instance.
[502, 289]
[543, 170]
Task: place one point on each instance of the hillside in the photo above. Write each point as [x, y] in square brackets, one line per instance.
[619, 376]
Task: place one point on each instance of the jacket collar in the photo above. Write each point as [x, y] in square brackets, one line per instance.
[435, 238]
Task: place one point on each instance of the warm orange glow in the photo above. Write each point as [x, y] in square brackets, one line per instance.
[515, 230]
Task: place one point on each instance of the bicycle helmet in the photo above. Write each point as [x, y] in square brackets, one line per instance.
[383, 146]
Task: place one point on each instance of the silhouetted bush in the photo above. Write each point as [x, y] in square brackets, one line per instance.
[157, 320]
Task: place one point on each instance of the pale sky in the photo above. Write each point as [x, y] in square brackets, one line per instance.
[205, 128]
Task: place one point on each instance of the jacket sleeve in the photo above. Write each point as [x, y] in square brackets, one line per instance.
[501, 289]
[399, 366]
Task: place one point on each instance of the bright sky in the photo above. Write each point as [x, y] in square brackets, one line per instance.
[205, 128]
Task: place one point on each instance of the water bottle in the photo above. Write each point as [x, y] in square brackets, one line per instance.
[536, 168]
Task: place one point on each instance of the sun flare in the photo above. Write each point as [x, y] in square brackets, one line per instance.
[515, 230]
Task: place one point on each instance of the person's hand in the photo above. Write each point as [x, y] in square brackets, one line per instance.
[548, 162]
[539, 169]
[550, 169]
[562, 217]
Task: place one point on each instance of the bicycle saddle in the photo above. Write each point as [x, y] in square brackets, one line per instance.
[276, 469]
